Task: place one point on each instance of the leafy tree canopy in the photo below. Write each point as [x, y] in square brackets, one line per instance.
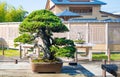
[3, 10]
[11, 14]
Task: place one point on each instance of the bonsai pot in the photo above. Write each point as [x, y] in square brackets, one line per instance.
[54, 67]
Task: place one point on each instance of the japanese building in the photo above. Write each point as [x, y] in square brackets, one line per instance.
[87, 18]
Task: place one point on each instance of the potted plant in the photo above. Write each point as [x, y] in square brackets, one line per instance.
[79, 41]
[41, 24]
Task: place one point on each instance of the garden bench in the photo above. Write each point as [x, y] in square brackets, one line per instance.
[88, 53]
[80, 57]
[25, 49]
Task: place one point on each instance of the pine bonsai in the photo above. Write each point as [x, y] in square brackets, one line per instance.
[41, 24]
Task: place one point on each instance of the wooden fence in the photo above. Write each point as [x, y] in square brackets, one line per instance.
[98, 33]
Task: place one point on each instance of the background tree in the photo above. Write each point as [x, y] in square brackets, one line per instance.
[42, 23]
[11, 14]
[3, 10]
[15, 15]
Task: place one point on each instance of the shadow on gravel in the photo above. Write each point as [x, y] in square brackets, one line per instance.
[76, 69]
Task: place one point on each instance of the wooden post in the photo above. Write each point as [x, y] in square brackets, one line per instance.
[16, 61]
[3, 53]
[76, 57]
[104, 71]
[20, 51]
[108, 56]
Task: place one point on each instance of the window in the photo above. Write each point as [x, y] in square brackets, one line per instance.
[104, 16]
[82, 10]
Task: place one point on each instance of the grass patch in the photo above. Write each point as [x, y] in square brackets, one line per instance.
[95, 56]
[115, 56]
[13, 52]
[100, 56]
[10, 52]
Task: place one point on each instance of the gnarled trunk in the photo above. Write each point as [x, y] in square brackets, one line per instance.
[46, 42]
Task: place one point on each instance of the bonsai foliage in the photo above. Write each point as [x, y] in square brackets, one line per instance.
[41, 24]
[63, 47]
[63, 41]
[27, 38]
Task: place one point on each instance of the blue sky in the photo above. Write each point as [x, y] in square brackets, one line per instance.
[30, 5]
[112, 5]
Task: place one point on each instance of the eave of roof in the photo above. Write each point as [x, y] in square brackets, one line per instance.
[112, 20]
[94, 20]
[67, 2]
[109, 14]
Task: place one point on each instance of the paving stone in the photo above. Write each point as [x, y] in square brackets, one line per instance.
[23, 69]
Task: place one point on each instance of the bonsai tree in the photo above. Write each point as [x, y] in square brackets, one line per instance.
[41, 24]
[80, 39]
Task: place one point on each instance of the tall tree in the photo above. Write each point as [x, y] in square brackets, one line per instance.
[11, 14]
[3, 10]
[15, 15]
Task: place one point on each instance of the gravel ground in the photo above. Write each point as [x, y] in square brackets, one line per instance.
[8, 68]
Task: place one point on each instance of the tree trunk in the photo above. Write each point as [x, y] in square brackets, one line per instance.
[46, 42]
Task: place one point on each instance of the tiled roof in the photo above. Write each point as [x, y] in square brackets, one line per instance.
[112, 20]
[103, 12]
[92, 20]
[67, 13]
[67, 2]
